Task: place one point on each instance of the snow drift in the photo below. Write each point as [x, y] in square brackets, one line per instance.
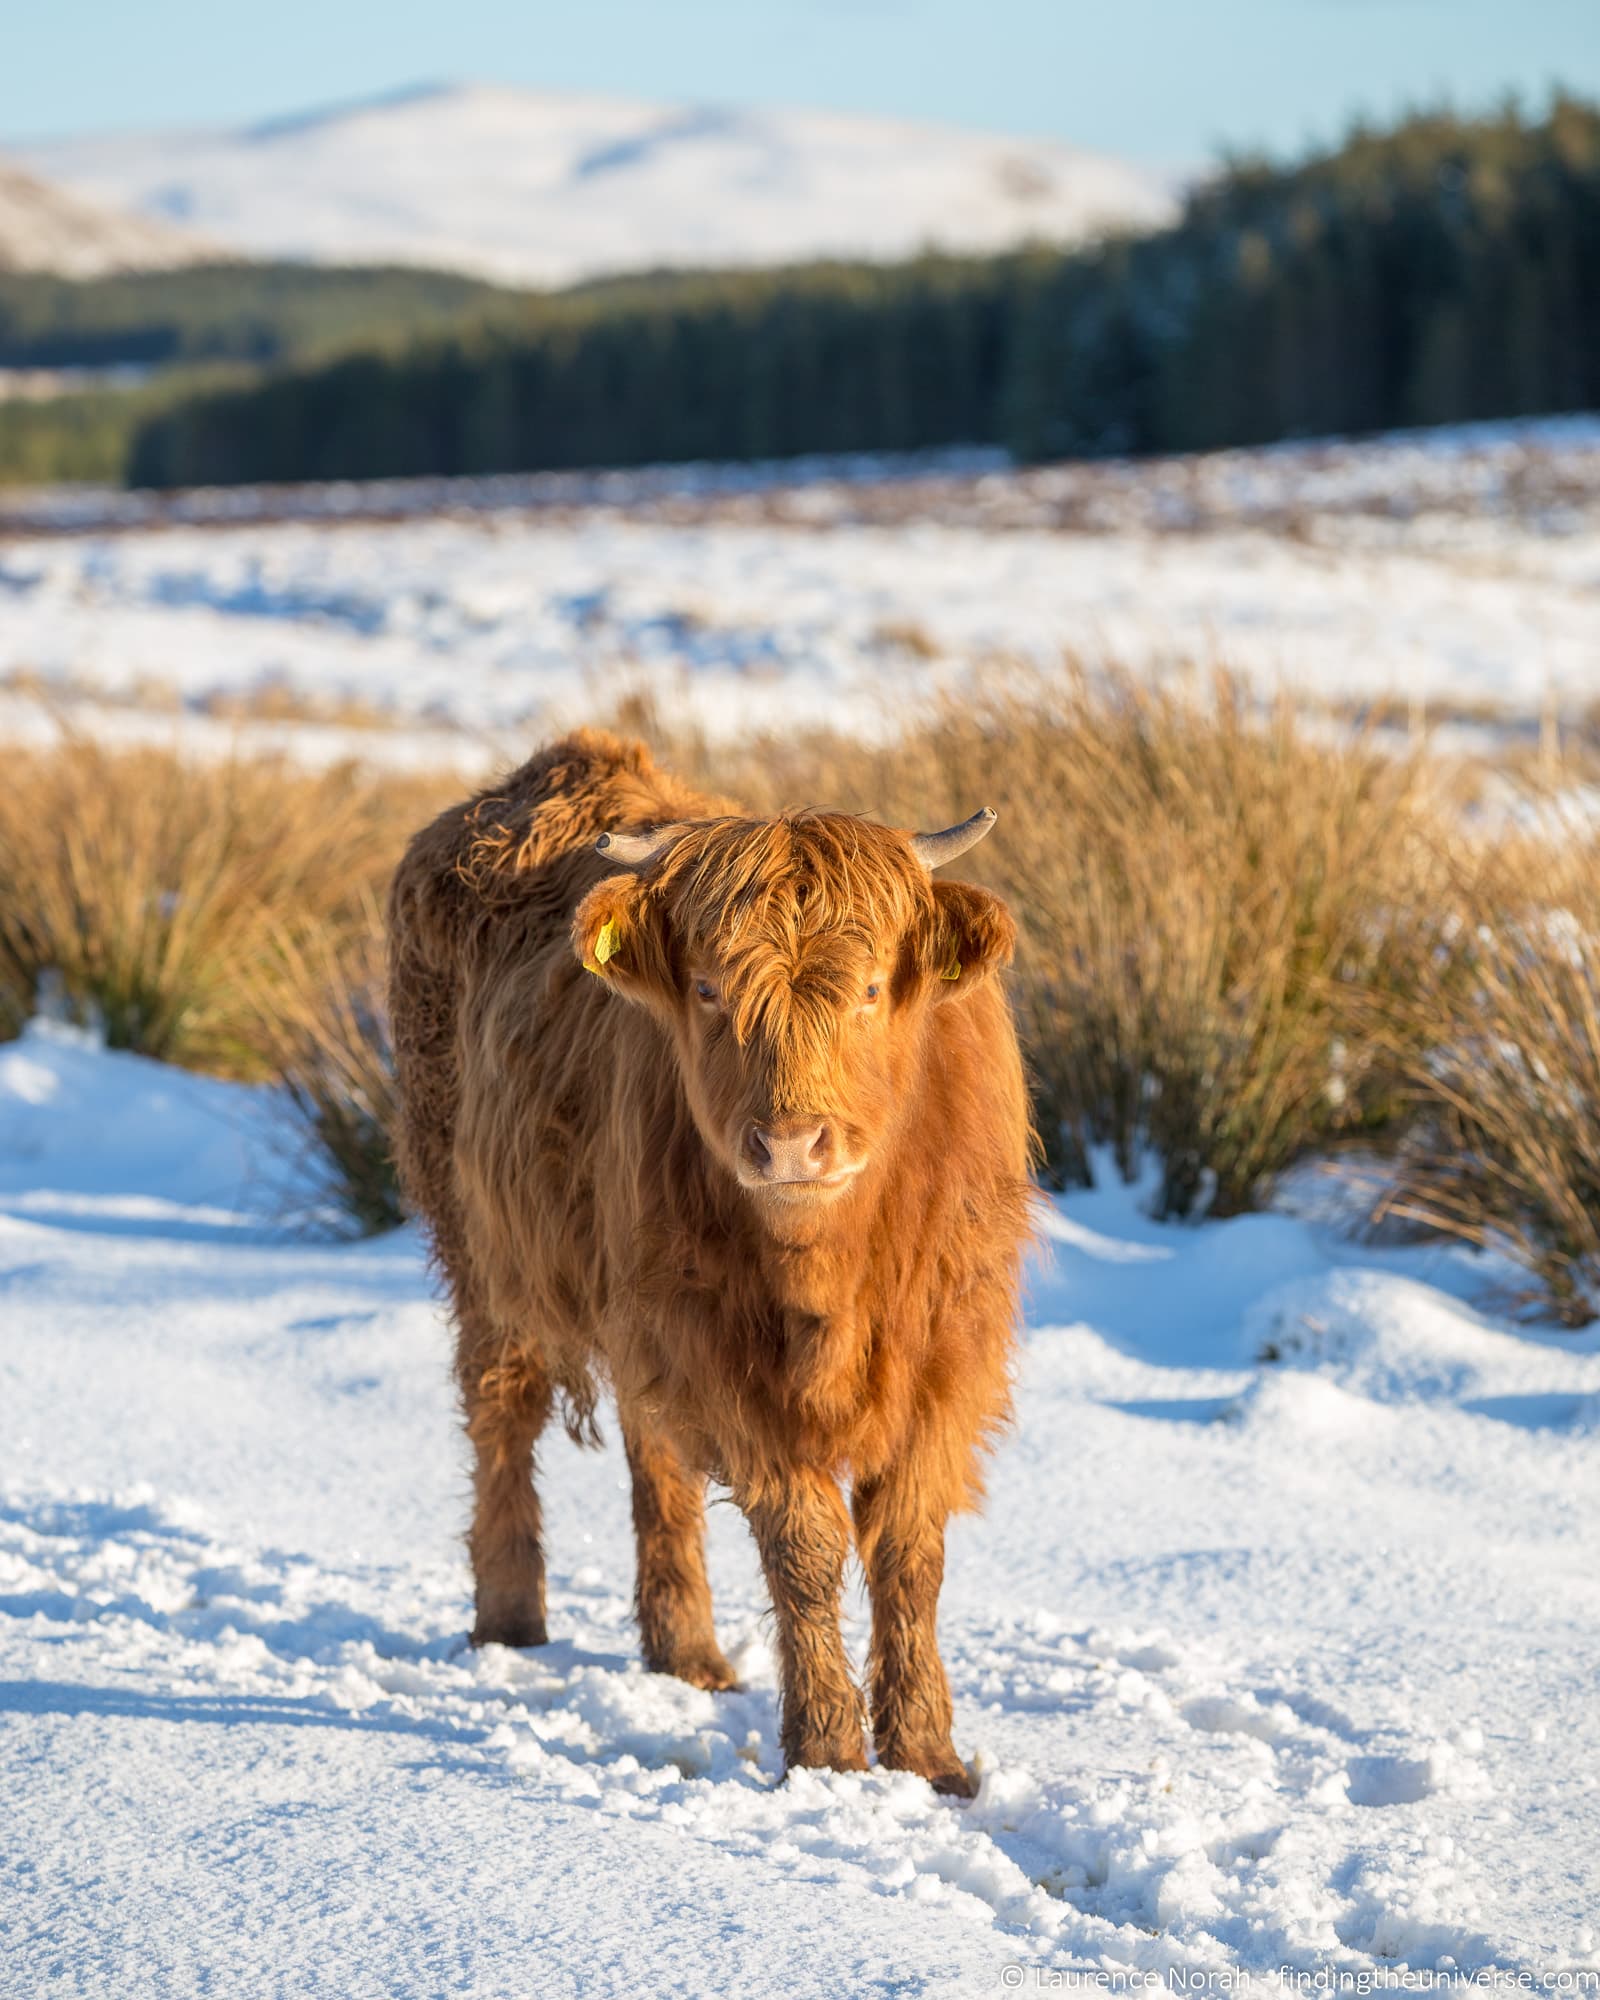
[1264, 1663]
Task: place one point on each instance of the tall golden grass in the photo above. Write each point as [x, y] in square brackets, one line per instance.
[151, 889]
[1246, 938]
[221, 915]
[1500, 1040]
[321, 1026]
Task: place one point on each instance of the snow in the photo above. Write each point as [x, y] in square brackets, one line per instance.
[1274, 1645]
[1458, 569]
[1263, 1663]
[544, 188]
[164, 1136]
[43, 229]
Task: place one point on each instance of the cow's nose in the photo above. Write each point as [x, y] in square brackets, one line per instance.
[793, 1149]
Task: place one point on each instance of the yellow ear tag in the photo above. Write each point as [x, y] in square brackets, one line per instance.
[605, 945]
[953, 969]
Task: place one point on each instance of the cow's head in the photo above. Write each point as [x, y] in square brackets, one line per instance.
[795, 962]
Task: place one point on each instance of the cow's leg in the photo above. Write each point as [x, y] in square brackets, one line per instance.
[506, 1407]
[901, 1539]
[803, 1534]
[671, 1596]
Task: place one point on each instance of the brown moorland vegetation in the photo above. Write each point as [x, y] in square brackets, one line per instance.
[1249, 937]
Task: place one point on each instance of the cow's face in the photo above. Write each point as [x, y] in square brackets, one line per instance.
[794, 962]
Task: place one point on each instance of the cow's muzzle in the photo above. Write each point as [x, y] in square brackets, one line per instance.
[797, 1153]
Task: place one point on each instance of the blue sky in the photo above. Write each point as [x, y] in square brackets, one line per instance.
[1165, 80]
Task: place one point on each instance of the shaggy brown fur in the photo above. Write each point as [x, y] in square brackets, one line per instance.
[585, 1168]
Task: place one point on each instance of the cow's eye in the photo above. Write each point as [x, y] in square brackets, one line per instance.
[872, 993]
[704, 990]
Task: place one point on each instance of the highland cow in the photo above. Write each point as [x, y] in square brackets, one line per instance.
[726, 1114]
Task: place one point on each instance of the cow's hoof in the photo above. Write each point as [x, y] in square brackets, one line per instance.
[938, 1764]
[707, 1669]
[510, 1628]
[954, 1782]
[842, 1756]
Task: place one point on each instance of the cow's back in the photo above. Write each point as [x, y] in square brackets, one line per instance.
[505, 1048]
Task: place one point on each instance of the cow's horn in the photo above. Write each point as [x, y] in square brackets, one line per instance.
[934, 849]
[636, 850]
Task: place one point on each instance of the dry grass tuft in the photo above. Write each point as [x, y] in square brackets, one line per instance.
[149, 887]
[1501, 1043]
[907, 637]
[321, 1025]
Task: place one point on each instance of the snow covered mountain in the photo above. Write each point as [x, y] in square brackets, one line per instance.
[538, 188]
[44, 228]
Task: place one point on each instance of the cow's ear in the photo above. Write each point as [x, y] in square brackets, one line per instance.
[973, 935]
[619, 934]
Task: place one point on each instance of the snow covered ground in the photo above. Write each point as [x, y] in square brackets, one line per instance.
[1275, 1647]
[1457, 569]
